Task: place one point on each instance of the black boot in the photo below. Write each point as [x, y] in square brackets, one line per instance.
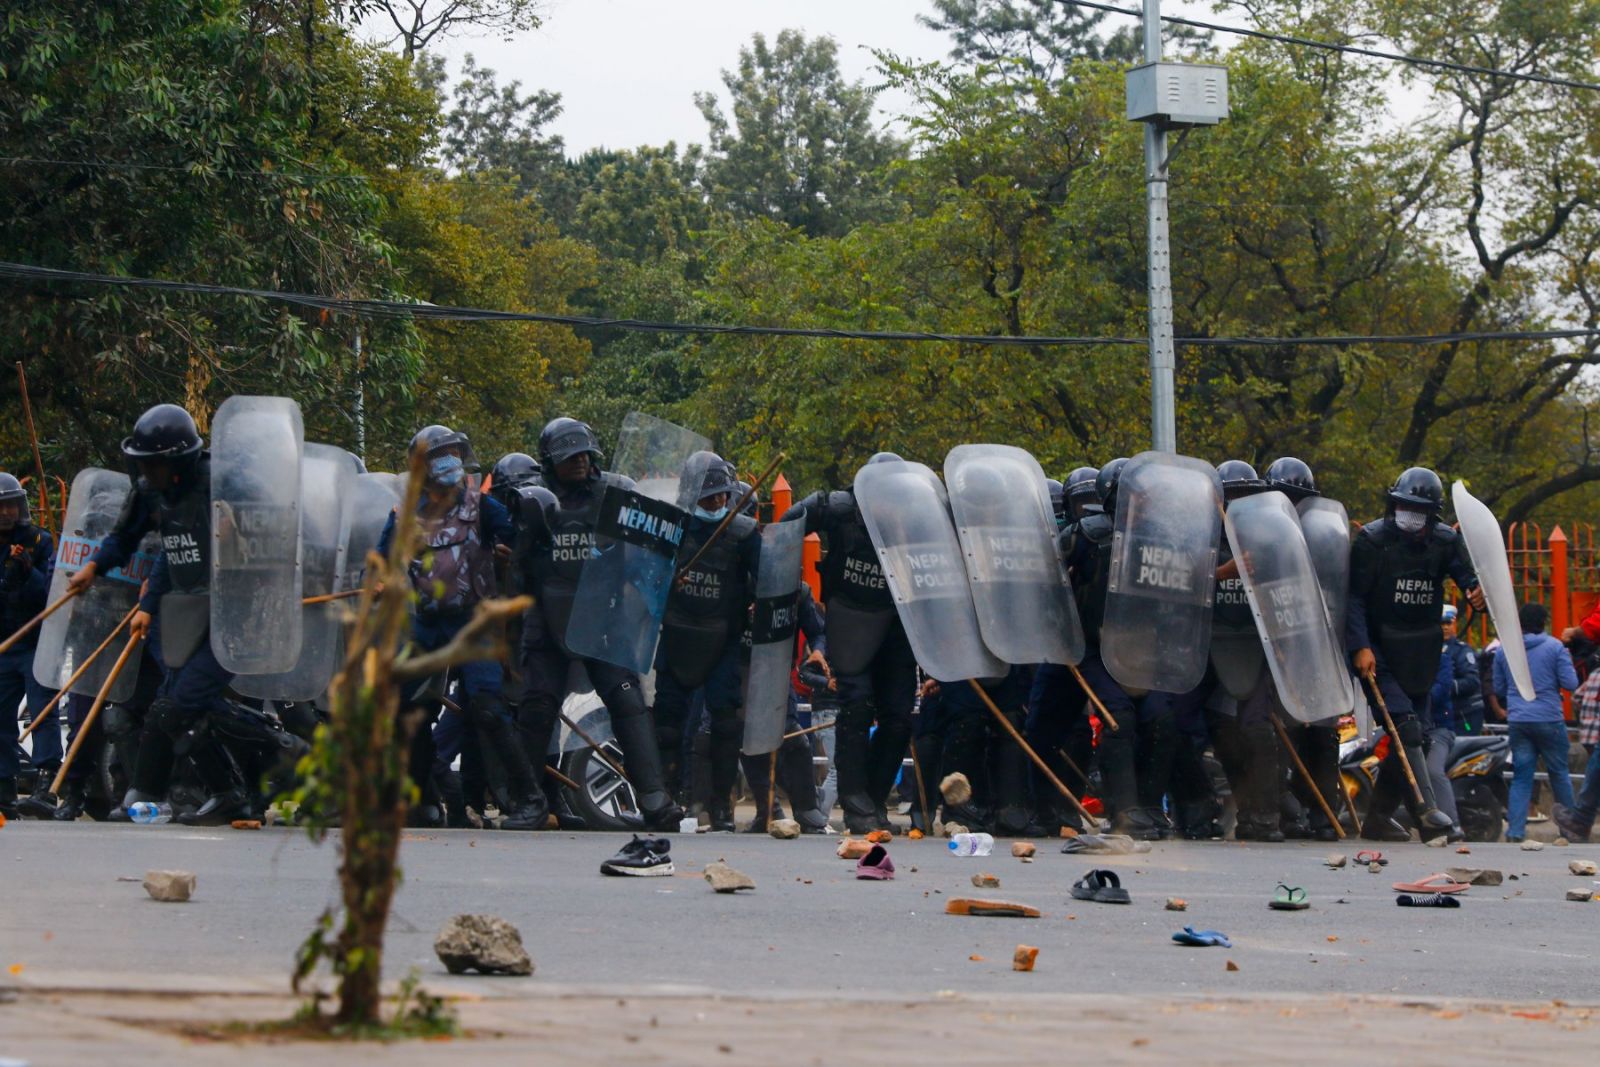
[726, 733]
[8, 796]
[1378, 825]
[41, 803]
[636, 733]
[1575, 824]
[1430, 821]
[73, 801]
[226, 797]
[850, 759]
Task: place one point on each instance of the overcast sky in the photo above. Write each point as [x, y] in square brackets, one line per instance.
[627, 70]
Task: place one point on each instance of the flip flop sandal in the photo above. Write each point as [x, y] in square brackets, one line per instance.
[1367, 855]
[1434, 883]
[1426, 900]
[1102, 887]
[1201, 938]
[1289, 898]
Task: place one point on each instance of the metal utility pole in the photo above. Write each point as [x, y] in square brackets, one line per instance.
[1163, 418]
[1166, 96]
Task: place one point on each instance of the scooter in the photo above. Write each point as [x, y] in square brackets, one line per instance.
[1477, 777]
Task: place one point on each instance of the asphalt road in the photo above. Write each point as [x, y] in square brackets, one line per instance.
[809, 929]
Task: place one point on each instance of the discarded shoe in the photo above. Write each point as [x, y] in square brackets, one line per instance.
[1102, 887]
[643, 857]
[1426, 900]
[1434, 883]
[1201, 938]
[1368, 855]
[1289, 898]
[876, 865]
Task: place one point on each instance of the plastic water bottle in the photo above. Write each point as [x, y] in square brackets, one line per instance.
[150, 814]
[971, 845]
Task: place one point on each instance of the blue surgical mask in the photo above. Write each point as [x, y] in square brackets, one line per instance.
[711, 516]
[447, 470]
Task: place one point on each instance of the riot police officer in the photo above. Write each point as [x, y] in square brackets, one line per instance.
[550, 564]
[462, 531]
[874, 668]
[706, 610]
[1088, 558]
[1398, 565]
[172, 495]
[27, 560]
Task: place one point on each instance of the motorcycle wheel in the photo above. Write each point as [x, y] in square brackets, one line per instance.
[605, 802]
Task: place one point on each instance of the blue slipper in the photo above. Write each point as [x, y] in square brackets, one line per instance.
[1202, 938]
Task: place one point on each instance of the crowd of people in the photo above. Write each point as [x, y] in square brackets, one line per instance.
[1026, 744]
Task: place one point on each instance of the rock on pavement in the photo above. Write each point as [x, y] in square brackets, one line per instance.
[172, 887]
[483, 943]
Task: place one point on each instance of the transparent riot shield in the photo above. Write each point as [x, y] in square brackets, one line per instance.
[622, 590]
[1326, 526]
[372, 499]
[327, 482]
[1486, 546]
[1156, 634]
[255, 534]
[772, 630]
[906, 512]
[70, 636]
[1004, 519]
[1286, 598]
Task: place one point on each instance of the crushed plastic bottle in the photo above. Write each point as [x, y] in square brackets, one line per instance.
[150, 814]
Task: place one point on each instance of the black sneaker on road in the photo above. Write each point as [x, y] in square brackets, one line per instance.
[643, 857]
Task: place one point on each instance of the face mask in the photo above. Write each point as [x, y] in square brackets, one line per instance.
[711, 516]
[446, 470]
[1410, 521]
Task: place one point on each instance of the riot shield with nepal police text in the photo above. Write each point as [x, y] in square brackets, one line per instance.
[906, 513]
[1001, 505]
[256, 613]
[774, 620]
[72, 634]
[1156, 633]
[622, 590]
[1296, 632]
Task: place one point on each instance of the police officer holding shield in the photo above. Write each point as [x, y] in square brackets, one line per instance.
[27, 558]
[172, 496]
[551, 565]
[873, 665]
[1398, 565]
[700, 636]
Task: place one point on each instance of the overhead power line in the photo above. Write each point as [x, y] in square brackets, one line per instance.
[1372, 53]
[404, 309]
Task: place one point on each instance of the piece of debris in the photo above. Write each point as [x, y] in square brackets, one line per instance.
[1375, 868]
[1582, 868]
[483, 943]
[915, 834]
[997, 908]
[1463, 850]
[986, 881]
[725, 879]
[783, 829]
[975, 958]
[1561, 842]
[853, 849]
[1023, 849]
[1232, 966]
[1580, 894]
[1336, 860]
[1474, 875]
[246, 824]
[1533, 846]
[1177, 904]
[1023, 959]
[173, 887]
[955, 789]
[951, 829]
[1027, 859]
[880, 837]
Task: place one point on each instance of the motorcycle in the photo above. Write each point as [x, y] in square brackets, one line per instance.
[1477, 777]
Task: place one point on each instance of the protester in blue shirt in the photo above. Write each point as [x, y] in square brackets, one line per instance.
[1538, 727]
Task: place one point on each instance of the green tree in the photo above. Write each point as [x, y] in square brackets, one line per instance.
[800, 145]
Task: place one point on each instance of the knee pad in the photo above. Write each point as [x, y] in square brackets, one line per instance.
[1410, 731]
[170, 717]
